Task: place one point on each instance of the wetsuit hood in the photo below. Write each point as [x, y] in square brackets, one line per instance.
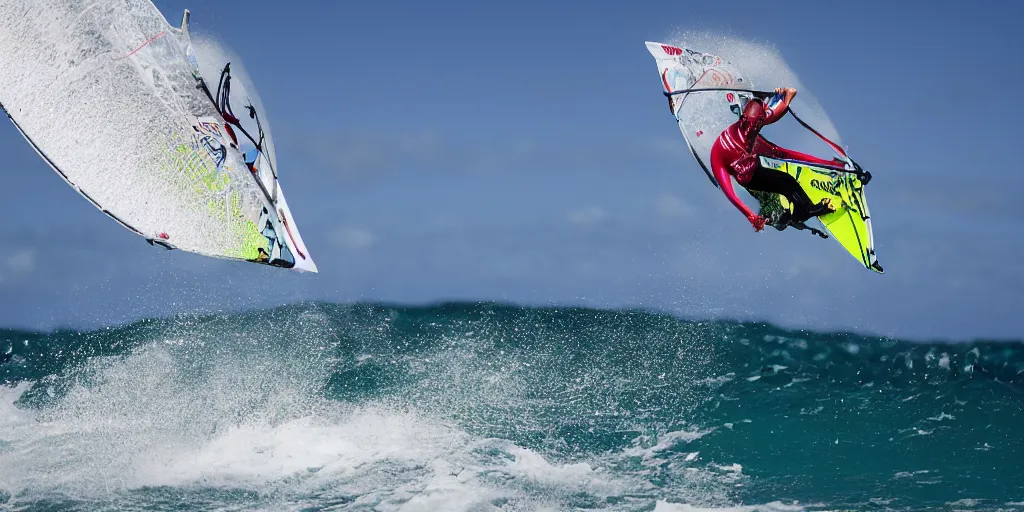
[752, 119]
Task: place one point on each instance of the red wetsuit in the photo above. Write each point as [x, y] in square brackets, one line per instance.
[734, 152]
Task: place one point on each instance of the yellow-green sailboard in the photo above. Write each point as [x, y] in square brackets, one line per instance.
[850, 223]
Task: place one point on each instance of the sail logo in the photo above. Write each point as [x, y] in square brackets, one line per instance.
[825, 187]
[207, 127]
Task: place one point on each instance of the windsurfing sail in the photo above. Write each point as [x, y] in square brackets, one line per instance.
[704, 92]
[112, 97]
[701, 117]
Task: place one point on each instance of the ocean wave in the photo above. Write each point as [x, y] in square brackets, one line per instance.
[492, 407]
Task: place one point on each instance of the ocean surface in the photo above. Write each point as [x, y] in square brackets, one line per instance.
[481, 407]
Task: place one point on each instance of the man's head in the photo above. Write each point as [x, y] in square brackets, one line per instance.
[753, 109]
[752, 117]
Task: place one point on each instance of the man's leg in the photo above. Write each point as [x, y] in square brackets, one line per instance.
[778, 182]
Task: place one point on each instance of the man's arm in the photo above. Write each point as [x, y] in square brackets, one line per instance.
[725, 181]
[789, 154]
[779, 104]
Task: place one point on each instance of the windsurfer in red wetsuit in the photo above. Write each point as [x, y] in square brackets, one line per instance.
[735, 154]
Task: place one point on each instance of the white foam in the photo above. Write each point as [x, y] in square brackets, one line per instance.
[666, 441]
[258, 454]
[10, 415]
[775, 506]
[672, 439]
[167, 416]
[716, 381]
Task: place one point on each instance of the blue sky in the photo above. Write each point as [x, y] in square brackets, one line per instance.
[523, 152]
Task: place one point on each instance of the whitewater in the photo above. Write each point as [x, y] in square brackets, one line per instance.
[321, 406]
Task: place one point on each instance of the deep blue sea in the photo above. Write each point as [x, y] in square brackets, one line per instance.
[486, 407]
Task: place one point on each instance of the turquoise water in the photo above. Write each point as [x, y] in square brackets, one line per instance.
[488, 407]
